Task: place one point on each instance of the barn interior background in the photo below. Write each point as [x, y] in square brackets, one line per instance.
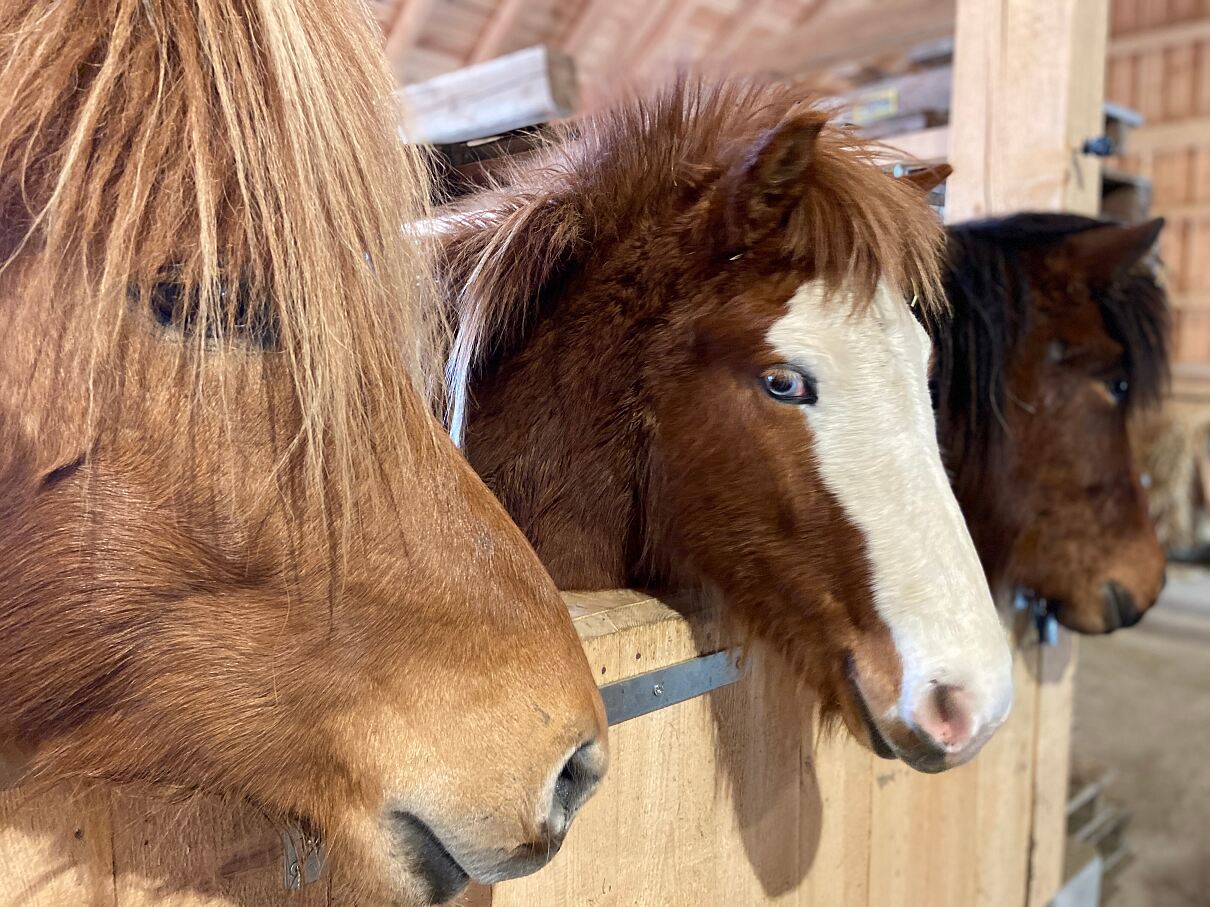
[764, 816]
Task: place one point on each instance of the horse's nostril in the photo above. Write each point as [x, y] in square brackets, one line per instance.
[1120, 607]
[575, 783]
[946, 717]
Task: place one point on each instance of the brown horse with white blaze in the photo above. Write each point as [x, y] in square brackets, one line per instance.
[682, 360]
[1059, 328]
[238, 554]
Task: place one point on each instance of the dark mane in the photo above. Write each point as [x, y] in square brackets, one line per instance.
[988, 285]
[661, 156]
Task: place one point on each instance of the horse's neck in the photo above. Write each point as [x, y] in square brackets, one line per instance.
[552, 431]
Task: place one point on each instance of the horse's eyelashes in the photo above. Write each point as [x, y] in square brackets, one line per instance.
[241, 314]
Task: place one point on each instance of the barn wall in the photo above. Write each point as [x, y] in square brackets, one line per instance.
[1159, 65]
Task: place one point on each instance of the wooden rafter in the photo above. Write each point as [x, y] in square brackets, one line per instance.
[648, 20]
[831, 32]
[737, 27]
[671, 18]
[499, 26]
[405, 29]
[583, 26]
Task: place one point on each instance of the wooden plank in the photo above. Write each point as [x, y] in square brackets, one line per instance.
[1149, 85]
[525, 88]
[410, 20]
[917, 92]
[1011, 154]
[1125, 17]
[1200, 185]
[969, 828]
[1179, 84]
[1158, 38]
[838, 830]
[1153, 14]
[1202, 78]
[584, 26]
[499, 26]
[927, 145]
[702, 804]
[1008, 151]
[1119, 79]
[1051, 757]
[1003, 804]
[1171, 178]
[831, 33]
[56, 848]
[170, 854]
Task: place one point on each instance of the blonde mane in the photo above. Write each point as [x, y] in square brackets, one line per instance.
[221, 144]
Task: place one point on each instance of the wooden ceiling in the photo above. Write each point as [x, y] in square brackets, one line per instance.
[615, 40]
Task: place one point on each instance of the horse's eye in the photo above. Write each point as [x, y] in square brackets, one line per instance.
[1119, 389]
[787, 384]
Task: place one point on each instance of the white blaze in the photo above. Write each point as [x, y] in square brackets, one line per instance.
[876, 448]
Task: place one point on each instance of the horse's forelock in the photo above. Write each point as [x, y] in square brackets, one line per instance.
[600, 175]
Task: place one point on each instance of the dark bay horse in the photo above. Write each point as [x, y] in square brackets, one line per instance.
[683, 359]
[1059, 328]
[238, 554]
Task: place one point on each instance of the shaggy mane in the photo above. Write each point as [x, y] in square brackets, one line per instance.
[248, 149]
[989, 287]
[655, 156]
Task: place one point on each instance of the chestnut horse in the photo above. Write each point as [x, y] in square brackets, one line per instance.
[1059, 328]
[683, 360]
[238, 554]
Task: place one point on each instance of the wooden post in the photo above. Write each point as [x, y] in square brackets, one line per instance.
[1029, 84]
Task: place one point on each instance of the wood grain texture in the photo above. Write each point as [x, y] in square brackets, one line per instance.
[56, 847]
[1009, 151]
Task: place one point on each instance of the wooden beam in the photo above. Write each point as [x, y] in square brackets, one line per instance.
[836, 32]
[928, 146]
[526, 88]
[671, 19]
[1177, 34]
[649, 22]
[585, 25]
[736, 28]
[1190, 133]
[497, 30]
[916, 92]
[1028, 90]
[405, 31]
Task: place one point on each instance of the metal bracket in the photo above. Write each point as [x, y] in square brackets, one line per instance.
[1040, 615]
[305, 869]
[659, 689]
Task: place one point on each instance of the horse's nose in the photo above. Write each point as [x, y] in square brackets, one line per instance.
[574, 783]
[946, 717]
[1120, 608]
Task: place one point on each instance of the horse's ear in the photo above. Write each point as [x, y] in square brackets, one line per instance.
[1105, 253]
[929, 178]
[768, 180]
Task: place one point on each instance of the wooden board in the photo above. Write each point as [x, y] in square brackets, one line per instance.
[728, 799]
[526, 88]
[1009, 150]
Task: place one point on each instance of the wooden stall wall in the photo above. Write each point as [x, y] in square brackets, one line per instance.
[1159, 64]
[728, 800]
